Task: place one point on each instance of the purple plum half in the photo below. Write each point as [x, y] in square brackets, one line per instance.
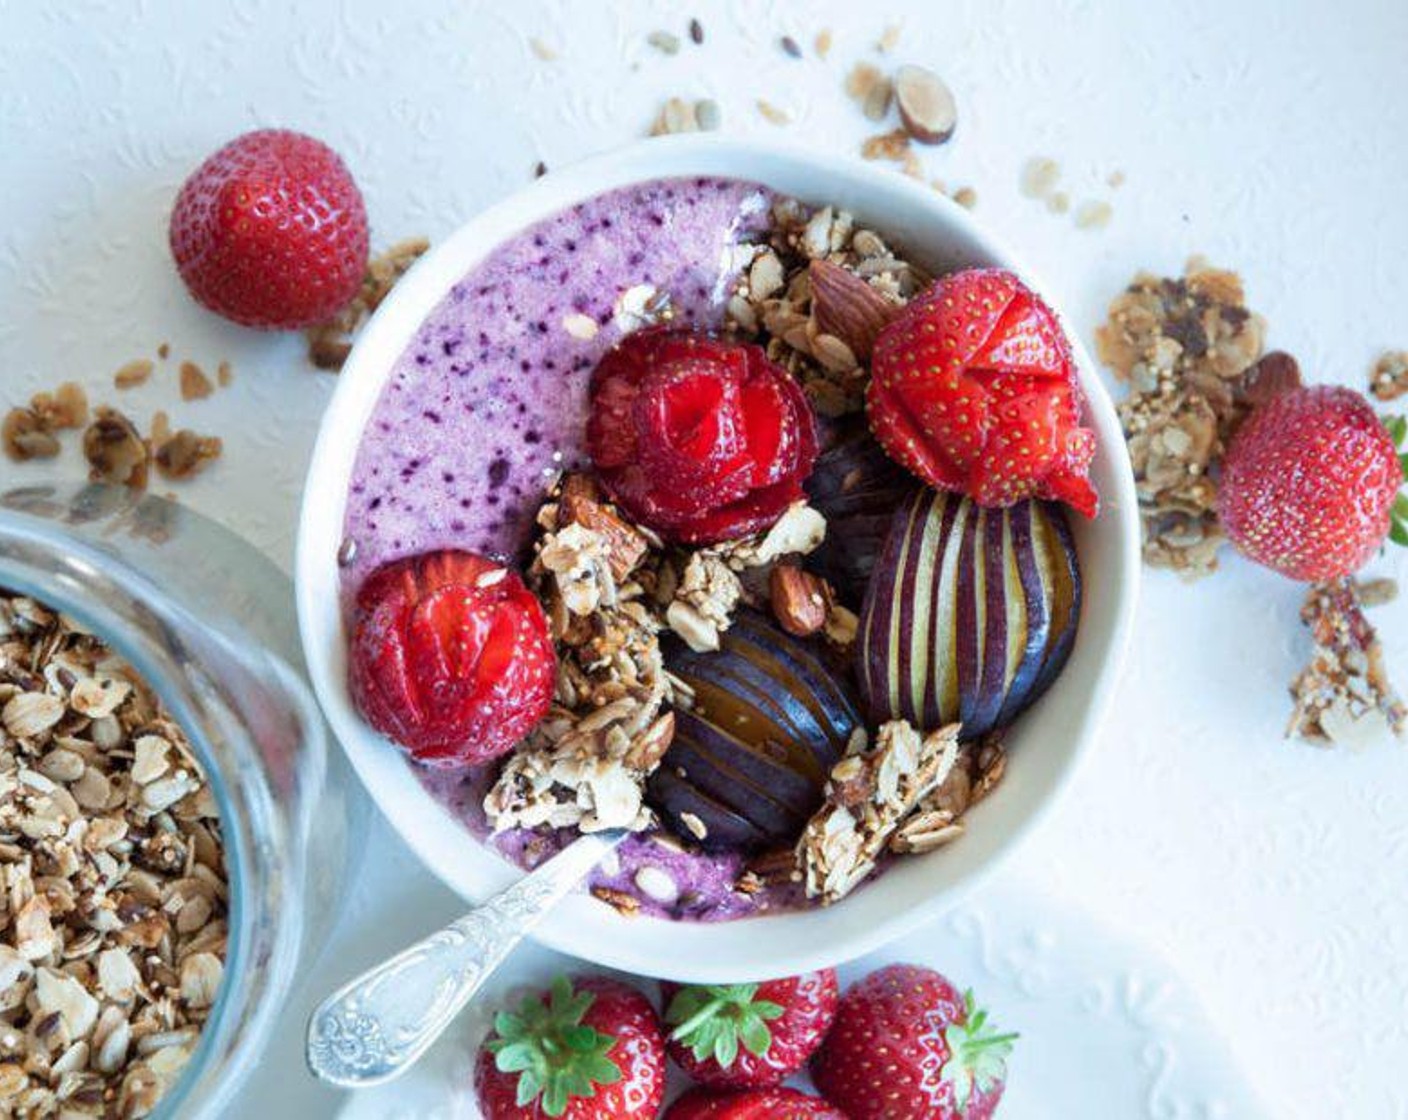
[857, 488]
[970, 614]
[749, 759]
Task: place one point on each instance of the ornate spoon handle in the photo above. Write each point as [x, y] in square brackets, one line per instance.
[379, 1024]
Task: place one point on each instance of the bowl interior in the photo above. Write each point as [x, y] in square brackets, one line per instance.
[1045, 744]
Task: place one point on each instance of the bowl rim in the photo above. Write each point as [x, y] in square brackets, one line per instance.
[686, 951]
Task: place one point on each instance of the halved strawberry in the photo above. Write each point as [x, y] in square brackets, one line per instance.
[974, 389]
[451, 657]
[698, 438]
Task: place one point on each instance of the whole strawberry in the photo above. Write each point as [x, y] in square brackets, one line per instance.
[271, 231]
[907, 1045]
[1309, 483]
[749, 1035]
[451, 657]
[974, 389]
[752, 1104]
[590, 1048]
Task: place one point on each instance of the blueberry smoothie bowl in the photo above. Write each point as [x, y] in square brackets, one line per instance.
[723, 512]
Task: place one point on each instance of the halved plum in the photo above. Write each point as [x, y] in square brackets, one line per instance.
[971, 612]
[750, 756]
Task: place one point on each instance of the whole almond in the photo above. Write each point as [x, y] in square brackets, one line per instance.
[798, 600]
[845, 306]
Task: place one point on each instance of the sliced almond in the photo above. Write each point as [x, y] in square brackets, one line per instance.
[926, 104]
[847, 307]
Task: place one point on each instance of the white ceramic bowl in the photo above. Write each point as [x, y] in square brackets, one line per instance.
[1046, 744]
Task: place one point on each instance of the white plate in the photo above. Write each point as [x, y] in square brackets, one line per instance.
[1107, 1029]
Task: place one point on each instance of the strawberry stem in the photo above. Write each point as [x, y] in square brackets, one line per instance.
[557, 1057]
[713, 1020]
[977, 1054]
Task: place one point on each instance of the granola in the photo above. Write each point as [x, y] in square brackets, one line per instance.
[1344, 694]
[1185, 347]
[869, 795]
[113, 920]
[774, 298]
[1389, 379]
[329, 343]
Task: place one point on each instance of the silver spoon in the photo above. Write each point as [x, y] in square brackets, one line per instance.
[378, 1025]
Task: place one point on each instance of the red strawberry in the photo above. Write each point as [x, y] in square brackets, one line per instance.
[1309, 483]
[753, 1104]
[739, 1036]
[271, 231]
[450, 657]
[907, 1044]
[588, 1049]
[698, 438]
[973, 388]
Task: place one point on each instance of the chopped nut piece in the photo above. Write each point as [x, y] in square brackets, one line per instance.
[627, 904]
[675, 116]
[893, 146]
[889, 38]
[542, 50]
[822, 43]
[1039, 177]
[798, 600]
[582, 503]
[772, 114]
[926, 105]
[134, 373]
[1093, 214]
[224, 375]
[664, 41]
[1344, 694]
[65, 408]
[195, 385]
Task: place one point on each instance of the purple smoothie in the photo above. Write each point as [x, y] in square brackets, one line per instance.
[489, 402]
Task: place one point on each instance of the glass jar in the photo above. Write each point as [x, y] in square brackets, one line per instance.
[209, 622]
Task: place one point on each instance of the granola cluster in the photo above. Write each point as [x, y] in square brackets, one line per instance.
[1344, 694]
[329, 343]
[116, 451]
[818, 291]
[113, 909]
[905, 795]
[1186, 348]
[610, 588]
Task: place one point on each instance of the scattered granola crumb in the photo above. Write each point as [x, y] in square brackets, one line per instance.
[329, 343]
[66, 408]
[540, 169]
[889, 38]
[772, 114]
[1389, 381]
[892, 145]
[790, 47]
[1188, 349]
[1093, 214]
[134, 373]
[195, 385]
[25, 438]
[1058, 202]
[1115, 179]
[1344, 695]
[1040, 176]
[966, 197]
[822, 44]
[696, 31]
[224, 375]
[542, 50]
[872, 90]
[627, 904]
[666, 42]
[185, 454]
[164, 351]
[116, 453]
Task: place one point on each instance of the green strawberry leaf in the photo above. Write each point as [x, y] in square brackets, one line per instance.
[1398, 533]
[556, 1056]
[977, 1055]
[714, 1019]
[1397, 428]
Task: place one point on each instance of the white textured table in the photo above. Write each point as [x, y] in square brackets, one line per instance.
[1267, 135]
